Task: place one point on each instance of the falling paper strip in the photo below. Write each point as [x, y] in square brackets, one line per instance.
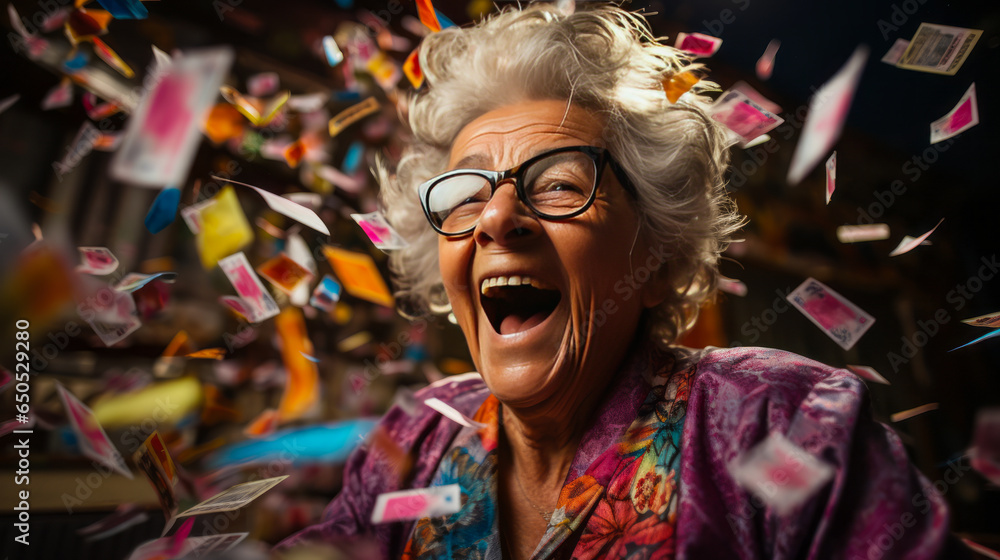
[986, 336]
[910, 243]
[831, 176]
[286, 207]
[864, 232]
[987, 552]
[9, 101]
[868, 373]
[453, 414]
[781, 474]
[134, 280]
[765, 65]
[827, 112]
[404, 505]
[352, 114]
[732, 286]
[988, 320]
[907, 414]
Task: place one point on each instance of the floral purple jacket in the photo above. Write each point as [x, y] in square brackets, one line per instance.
[650, 478]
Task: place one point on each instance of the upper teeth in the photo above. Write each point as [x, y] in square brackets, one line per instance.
[489, 283]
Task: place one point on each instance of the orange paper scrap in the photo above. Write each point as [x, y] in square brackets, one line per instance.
[679, 84]
[302, 386]
[425, 10]
[208, 354]
[412, 69]
[359, 275]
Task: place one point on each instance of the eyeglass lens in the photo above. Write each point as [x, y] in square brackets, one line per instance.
[555, 186]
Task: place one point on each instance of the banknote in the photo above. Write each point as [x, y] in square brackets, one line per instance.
[939, 49]
[964, 116]
[260, 303]
[90, 436]
[780, 473]
[840, 319]
[742, 116]
[164, 132]
[698, 44]
[827, 112]
[98, 261]
[284, 272]
[435, 501]
[235, 497]
[377, 228]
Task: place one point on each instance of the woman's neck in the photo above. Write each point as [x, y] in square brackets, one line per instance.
[543, 440]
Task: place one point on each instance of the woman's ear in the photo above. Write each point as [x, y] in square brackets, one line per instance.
[655, 291]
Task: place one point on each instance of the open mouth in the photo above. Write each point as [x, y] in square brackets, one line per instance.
[517, 303]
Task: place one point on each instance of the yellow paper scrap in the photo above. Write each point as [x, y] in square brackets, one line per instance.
[224, 228]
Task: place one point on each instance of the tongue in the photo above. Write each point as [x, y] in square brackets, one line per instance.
[514, 323]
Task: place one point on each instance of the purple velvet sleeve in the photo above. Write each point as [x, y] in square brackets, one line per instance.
[876, 506]
[370, 472]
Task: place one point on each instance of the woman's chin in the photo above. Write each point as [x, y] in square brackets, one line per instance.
[521, 361]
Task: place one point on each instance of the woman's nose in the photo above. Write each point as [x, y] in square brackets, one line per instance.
[505, 218]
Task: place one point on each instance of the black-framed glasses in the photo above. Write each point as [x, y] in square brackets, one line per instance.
[556, 185]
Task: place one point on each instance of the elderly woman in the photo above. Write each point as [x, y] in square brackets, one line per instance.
[571, 218]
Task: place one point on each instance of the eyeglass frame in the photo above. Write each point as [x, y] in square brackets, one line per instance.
[600, 156]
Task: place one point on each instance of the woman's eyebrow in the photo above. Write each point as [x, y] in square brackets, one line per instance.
[475, 161]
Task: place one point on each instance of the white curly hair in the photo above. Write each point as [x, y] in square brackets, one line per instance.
[603, 59]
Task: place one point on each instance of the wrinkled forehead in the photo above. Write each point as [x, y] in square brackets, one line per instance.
[505, 137]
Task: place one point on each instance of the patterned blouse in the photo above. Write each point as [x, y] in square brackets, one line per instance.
[650, 478]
